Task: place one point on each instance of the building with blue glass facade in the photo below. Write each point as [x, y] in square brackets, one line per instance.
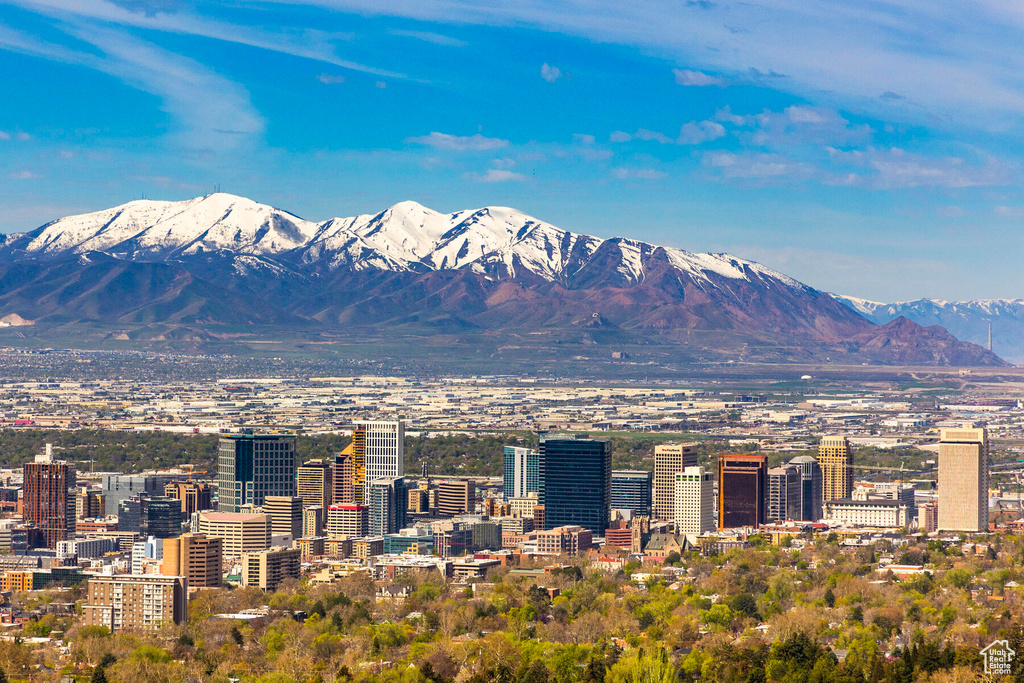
[522, 472]
[251, 467]
[575, 482]
[631, 490]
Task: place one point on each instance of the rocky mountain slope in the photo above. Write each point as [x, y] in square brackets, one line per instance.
[222, 260]
[966, 320]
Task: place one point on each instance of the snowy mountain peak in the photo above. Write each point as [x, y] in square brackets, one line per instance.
[497, 240]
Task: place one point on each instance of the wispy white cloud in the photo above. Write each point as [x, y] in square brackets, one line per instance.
[209, 111]
[330, 79]
[171, 16]
[550, 73]
[638, 173]
[23, 175]
[583, 138]
[429, 37]
[4, 136]
[641, 134]
[496, 175]
[694, 133]
[973, 79]
[1008, 211]
[696, 78]
[457, 143]
[758, 166]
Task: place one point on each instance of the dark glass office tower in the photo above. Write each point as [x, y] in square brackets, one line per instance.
[251, 467]
[575, 482]
[158, 516]
[811, 484]
[389, 504]
[631, 490]
[742, 490]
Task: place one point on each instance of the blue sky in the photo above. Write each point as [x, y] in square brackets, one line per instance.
[871, 149]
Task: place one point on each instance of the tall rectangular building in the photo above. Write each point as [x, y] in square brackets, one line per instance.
[157, 516]
[194, 496]
[136, 601]
[811, 485]
[836, 462]
[285, 514]
[196, 557]
[344, 476]
[631, 490]
[241, 533]
[347, 521]
[668, 460]
[118, 487]
[456, 497]
[694, 501]
[382, 445]
[268, 568]
[522, 472]
[315, 483]
[575, 482]
[963, 479]
[389, 506]
[251, 467]
[313, 520]
[783, 493]
[742, 490]
[49, 497]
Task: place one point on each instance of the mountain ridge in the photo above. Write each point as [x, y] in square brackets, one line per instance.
[222, 260]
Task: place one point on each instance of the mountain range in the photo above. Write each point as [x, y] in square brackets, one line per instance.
[966, 320]
[220, 263]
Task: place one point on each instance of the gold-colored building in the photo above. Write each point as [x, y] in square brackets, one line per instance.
[196, 557]
[315, 481]
[836, 461]
[668, 460]
[963, 479]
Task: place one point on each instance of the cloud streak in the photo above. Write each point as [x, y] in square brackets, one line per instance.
[456, 143]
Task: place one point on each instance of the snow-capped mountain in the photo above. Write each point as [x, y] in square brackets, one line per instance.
[966, 320]
[498, 241]
[225, 260]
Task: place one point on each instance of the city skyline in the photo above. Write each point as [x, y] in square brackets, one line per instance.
[883, 175]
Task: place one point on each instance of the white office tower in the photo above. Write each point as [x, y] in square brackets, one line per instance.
[384, 448]
[694, 501]
[150, 549]
[963, 479]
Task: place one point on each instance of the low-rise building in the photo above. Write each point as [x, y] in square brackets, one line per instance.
[142, 601]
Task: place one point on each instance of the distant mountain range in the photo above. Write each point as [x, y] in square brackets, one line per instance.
[223, 261]
[966, 320]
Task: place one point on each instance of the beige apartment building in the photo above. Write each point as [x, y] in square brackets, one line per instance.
[268, 568]
[836, 463]
[197, 558]
[285, 514]
[963, 479]
[136, 601]
[315, 483]
[668, 460]
[241, 532]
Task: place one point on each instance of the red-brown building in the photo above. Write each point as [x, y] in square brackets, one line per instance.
[49, 497]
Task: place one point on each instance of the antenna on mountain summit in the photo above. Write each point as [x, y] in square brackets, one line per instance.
[216, 188]
[990, 335]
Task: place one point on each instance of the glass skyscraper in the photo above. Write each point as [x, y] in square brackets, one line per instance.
[631, 490]
[575, 482]
[389, 502]
[522, 472]
[251, 467]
